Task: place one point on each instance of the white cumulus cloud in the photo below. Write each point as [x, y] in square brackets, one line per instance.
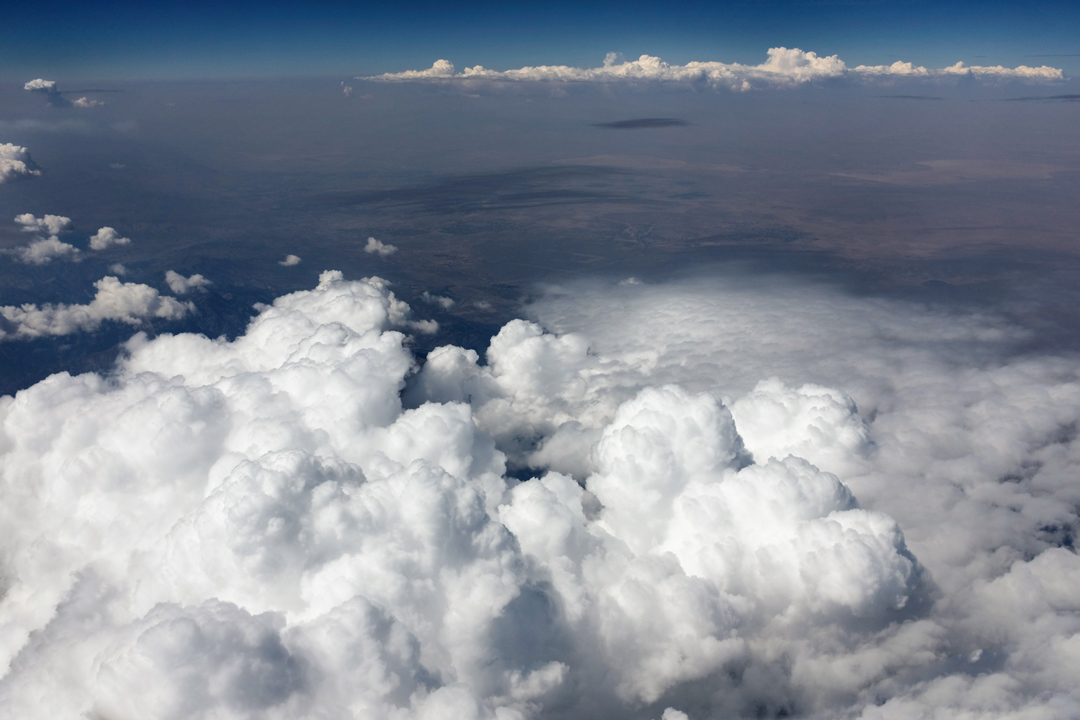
[39, 85]
[290, 260]
[48, 225]
[441, 301]
[376, 247]
[106, 238]
[15, 163]
[773, 501]
[43, 251]
[87, 103]
[129, 303]
[784, 67]
[182, 285]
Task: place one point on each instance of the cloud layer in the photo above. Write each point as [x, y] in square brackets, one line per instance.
[785, 67]
[261, 528]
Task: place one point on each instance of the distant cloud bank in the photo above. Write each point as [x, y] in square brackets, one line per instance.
[785, 67]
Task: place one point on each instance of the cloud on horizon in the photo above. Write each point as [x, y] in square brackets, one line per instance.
[784, 68]
[745, 501]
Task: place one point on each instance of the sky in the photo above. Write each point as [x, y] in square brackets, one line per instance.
[198, 40]
[575, 362]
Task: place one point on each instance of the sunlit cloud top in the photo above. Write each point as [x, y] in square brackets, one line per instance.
[785, 67]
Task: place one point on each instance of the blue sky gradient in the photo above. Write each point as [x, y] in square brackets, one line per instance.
[125, 40]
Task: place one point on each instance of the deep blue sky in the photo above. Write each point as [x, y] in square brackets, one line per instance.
[125, 40]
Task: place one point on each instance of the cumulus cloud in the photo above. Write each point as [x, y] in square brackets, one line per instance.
[52, 93]
[128, 303]
[382, 249]
[40, 86]
[444, 302]
[182, 285]
[106, 238]
[290, 260]
[48, 225]
[118, 269]
[43, 251]
[744, 502]
[15, 163]
[784, 67]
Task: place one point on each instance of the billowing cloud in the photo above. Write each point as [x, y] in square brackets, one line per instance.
[115, 301]
[15, 163]
[52, 92]
[786, 502]
[290, 260]
[47, 225]
[376, 247]
[43, 251]
[106, 238]
[47, 246]
[40, 86]
[785, 67]
[181, 285]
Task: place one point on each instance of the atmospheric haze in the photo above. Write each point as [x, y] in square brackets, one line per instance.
[654, 391]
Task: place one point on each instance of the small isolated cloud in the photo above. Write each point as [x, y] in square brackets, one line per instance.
[15, 163]
[40, 86]
[290, 260]
[52, 93]
[346, 90]
[784, 68]
[128, 303]
[444, 302]
[379, 248]
[44, 250]
[117, 269]
[106, 238]
[182, 285]
[47, 225]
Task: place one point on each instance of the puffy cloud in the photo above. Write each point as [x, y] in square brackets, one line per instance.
[129, 303]
[263, 528]
[106, 238]
[49, 224]
[43, 251]
[785, 67]
[290, 260]
[382, 249]
[40, 86]
[118, 269]
[182, 285]
[87, 103]
[15, 163]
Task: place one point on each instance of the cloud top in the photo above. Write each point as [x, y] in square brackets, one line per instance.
[128, 303]
[784, 67]
[375, 247]
[15, 163]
